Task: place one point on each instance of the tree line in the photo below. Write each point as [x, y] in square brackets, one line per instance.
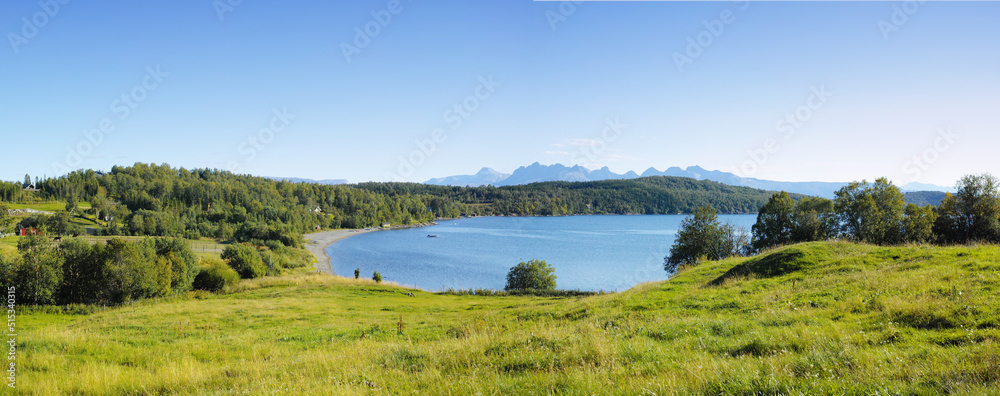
[157, 200]
[77, 272]
[874, 213]
[117, 271]
[646, 195]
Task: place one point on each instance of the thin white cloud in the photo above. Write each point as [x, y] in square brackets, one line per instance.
[584, 142]
[619, 157]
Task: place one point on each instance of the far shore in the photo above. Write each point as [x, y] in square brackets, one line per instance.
[317, 242]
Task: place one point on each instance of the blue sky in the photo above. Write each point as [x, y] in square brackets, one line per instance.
[266, 88]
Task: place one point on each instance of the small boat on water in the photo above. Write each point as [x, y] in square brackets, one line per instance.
[432, 235]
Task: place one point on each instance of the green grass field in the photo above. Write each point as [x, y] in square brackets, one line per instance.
[48, 206]
[80, 219]
[205, 247]
[818, 318]
[8, 244]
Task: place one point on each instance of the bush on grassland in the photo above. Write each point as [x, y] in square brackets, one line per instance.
[245, 260]
[215, 276]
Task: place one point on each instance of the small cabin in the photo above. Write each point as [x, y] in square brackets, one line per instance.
[385, 225]
[22, 231]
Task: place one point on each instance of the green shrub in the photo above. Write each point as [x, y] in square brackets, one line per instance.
[36, 273]
[245, 260]
[377, 277]
[294, 258]
[83, 272]
[215, 276]
[184, 264]
[533, 275]
[357, 273]
[131, 270]
[702, 236]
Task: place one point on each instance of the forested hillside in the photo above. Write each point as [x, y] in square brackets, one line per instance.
[925, 198]
[158, 200]
[647, 195]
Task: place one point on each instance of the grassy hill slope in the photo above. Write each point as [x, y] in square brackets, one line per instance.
[820, 318]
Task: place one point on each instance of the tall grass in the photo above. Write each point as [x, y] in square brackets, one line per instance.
[848, 319]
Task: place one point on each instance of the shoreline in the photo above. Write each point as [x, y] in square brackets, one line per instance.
[318, 242]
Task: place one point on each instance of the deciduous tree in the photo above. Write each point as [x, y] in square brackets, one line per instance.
[815, 220]
[919, 223]
[531, 275]
[702, 236]
[131, 271]
[38, 273]
[871, 213]
[775, 222]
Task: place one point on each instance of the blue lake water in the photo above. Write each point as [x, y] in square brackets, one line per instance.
[611, 253]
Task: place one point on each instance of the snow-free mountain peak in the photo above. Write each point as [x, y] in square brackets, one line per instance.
[536, 172]
[485, 176]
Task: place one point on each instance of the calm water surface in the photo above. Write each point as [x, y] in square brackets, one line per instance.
[611, 253]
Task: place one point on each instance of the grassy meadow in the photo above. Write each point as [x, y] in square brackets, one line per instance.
[47, 206]
[816, 318]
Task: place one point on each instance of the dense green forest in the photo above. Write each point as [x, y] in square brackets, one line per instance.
[163, 201]
[925, 198]
[157, 200]
[646, 195]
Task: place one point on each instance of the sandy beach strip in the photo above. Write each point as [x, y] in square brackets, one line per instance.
[317, 243]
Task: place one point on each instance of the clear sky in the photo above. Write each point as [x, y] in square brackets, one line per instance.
[266, 88]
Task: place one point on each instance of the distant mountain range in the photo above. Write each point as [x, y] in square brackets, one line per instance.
[301, 180]
[927, 187]
[485, 176]
[537, 172]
